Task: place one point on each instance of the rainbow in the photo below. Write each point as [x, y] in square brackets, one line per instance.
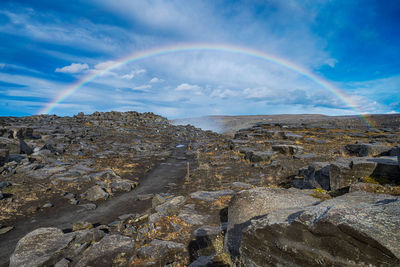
[139, 55]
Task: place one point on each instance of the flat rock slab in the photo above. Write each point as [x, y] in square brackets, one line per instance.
[211, 196]
[39, 247]
[190, 215]
[351, 230]
[161, 250]
[249, 204]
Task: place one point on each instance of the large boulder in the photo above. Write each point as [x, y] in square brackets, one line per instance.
[288, 149]
[95, 193]
[344, 172]
[102, 252]
[40, 248]
[368, 150]
[356, 229]
[249, 204]
[258, 156]
[314, 176]
[387, 167]
[12, 145]
[347, 171]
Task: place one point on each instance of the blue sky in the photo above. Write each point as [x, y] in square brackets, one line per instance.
[47, 45]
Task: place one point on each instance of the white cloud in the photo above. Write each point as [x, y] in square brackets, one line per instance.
[104, 65]
[132, 74]
[2, 65]
[187, 87]
[223, 93]
[156, 80]
[73, 68]
[142, 87]
[260, 92]
[331, 62]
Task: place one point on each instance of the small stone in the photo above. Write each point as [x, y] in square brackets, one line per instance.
[62, 263]
[127, 216]
[86, 207]
[144, 196]
[6, 229]
[81, 226]
[74, 201]
[157, 200]
[48, 205]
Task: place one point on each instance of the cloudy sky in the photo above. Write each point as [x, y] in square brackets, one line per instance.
[47, 46]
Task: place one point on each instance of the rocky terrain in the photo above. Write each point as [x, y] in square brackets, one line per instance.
[131, 189]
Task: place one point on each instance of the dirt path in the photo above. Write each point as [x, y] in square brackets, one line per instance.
[173, 170]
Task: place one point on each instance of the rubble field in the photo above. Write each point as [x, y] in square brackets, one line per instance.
[133, 189]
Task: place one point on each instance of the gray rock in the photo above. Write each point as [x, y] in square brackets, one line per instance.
[208, 230]
[122, 185]
[346, 171]
[81, 226]
[161, 250]
[107, 174]
[40, 247]
[202, 261]
[157, 200]
[4, 184]
[87, 235]
[100, 253]
[211, 196]
[237, 186]
[190, 215]
[258, 156]
[292, 136]
[1, 195]
[95, 193]
[48, 205]
[387, 167]
[5, 229]
[171, 206]
[4, 153]
[11, 145]
[127, 216]
[368, 150]
[62, 263]
[315, 176]
[24, 147]
[88, 206]
[144, 196]
[249, 204]
[46, 172]
[352, 230]
[20, 132]
[305, 156]
[288, 149]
